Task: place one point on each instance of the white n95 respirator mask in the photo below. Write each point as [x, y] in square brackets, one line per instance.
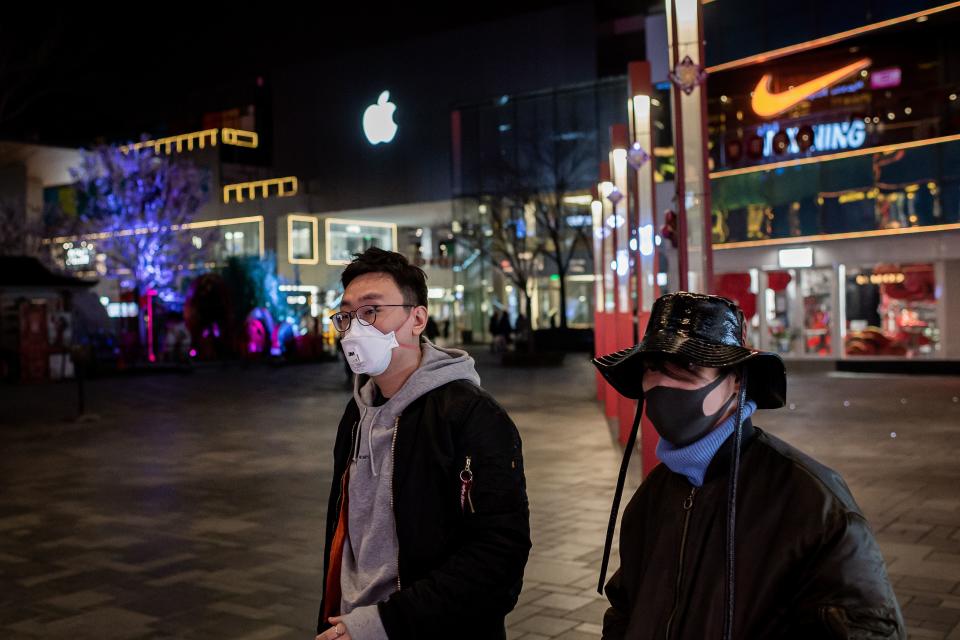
[367, 349]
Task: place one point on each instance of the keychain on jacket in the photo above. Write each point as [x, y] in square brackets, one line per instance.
[466, 483]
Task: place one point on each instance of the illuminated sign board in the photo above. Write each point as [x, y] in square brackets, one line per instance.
[830, 136]
[78, 257]
[885, 78]
[378, 124]
[795, 258]
[767, 103]
[123, 310]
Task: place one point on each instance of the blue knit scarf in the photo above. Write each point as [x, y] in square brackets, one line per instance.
[692, 460]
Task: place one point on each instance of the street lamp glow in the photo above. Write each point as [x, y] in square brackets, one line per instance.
[646, 240]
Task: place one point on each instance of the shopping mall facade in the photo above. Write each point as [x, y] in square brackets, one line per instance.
[836, 207]
[323, 158]
[836, 210]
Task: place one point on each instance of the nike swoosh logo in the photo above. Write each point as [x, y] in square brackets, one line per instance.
[767, 104]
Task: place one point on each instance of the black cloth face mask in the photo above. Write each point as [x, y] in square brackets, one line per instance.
[677, 414]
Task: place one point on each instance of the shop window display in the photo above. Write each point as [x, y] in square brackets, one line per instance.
[815, 292]
[891, 311]
[799, 307]
[782, 332]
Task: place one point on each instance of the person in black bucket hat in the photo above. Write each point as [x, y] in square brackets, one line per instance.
[737, 534]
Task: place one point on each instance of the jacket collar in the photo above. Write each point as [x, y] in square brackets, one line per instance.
[721, 460]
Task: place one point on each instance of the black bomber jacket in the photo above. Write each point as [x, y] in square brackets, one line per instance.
[807, 564]
[461, 568]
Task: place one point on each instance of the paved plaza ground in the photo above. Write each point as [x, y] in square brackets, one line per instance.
[194, 506]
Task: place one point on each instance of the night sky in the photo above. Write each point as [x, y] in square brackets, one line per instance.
[76, 75]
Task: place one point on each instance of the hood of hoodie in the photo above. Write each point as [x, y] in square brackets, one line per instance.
[438, 366]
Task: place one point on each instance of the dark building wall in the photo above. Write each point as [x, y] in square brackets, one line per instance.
[735, 29]
[318, 107]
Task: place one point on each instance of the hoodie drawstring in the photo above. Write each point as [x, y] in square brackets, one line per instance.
[356, 446]
[373, 420]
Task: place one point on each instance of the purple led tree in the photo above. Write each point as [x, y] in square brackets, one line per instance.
[138, 204]
[136, 208]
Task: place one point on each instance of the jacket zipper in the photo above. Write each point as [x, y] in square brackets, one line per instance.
[353, 448]
[687, 508]
[466, 484]
[393, 464]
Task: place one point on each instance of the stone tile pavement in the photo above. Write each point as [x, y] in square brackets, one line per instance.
[194, 506]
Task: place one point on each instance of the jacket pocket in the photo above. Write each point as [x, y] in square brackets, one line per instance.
[860, 623]
[496, 484]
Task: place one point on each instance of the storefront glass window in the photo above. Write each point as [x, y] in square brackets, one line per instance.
[779, 304]
[345, 238]
[239, 240]
[301, 240]
[815, 291]
[891, 310]
[909, 189]
[799, 308]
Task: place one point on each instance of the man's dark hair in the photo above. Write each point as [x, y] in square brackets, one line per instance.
[410, 279]
[656, 362]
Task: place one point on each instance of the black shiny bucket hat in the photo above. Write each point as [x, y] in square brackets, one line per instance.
[708, 331]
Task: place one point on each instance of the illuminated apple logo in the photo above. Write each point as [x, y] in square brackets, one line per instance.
[378, 124]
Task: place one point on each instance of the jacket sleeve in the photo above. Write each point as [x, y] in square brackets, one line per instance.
[617, 617]
[845, 591]
[482, 578]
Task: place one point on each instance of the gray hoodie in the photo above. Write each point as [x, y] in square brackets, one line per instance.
[369, 572]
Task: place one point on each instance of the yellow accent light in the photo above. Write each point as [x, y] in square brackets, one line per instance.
[222, 222]
[176, 143]
[240, 138]
[197, 139]
[881, 278]
[855, 196]
[837, 236]
[250, 188]
[584, 200]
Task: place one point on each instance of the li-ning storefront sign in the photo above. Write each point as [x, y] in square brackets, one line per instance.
[880, 87]
[827, 137]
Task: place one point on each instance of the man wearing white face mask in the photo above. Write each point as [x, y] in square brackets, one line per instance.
[427, 523]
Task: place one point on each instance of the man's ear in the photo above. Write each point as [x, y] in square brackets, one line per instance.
[420, 316]
[738, 376]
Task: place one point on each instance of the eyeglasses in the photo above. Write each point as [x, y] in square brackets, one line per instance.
[365, 315]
